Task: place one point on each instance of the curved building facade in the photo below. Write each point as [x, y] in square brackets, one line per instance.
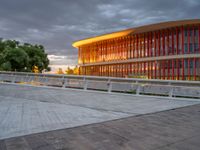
[169, 50]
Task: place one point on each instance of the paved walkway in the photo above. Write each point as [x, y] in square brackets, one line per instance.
[177, 129]
[26, 110]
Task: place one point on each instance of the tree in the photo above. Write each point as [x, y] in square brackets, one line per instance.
[72, 71]
[60, 71]
[69, 71]
[22, 57]
[76, 70]
[16, 59]
[37, 56]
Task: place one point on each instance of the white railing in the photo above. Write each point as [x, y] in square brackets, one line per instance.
[171, 88]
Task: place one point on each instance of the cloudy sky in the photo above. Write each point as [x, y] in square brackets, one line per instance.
[57, 23]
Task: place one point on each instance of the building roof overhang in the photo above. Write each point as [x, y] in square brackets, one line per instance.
[141, 29]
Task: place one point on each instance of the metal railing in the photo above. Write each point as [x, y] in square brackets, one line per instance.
[170, 88]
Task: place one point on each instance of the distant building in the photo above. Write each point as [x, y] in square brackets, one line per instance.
[169, 50]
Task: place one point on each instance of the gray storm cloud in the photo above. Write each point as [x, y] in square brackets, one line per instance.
[57, 23]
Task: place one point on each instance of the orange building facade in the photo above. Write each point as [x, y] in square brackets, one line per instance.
[168, 51]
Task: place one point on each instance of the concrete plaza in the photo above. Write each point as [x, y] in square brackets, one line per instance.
[27, 109]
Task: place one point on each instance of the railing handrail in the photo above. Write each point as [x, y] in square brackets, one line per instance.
[103, 78]
[188, 88]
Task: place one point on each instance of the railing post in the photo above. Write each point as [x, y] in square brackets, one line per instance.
[109, 86]
[85, 84]
[138, 88]
[26, 78]
[13, 80]
[171, 90]
[63, 82]
[46, 81]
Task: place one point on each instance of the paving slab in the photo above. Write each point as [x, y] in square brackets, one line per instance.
[177, 129]
[27, 109]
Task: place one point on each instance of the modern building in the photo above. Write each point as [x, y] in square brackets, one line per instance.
[169, 50]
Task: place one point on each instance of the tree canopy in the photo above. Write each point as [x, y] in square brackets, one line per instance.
[22, 57]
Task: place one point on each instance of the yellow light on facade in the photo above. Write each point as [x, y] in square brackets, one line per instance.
[102, 37]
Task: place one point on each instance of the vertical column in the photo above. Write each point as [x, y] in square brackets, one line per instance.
[122, 57]
[155, 69]
[103, 51]
[124, 70]
[155, 44]
[132, 46]
[100, 51]
[144, 46]
[106, 53]
[183, 51]
[108, 70]
[160, 65]
[128, 69]
[151, 44]
[173, 69]
[121, 70]
[188, 38]
[167, 41]
[115, 70]
[111, 44]
[163, 67]
[148, 68]
[163, 42]
[178, 68]
[108, 50]
[193, 42]
[159, 42]
[121, 48]
[152, 72]
[78, 55]
[188, 68]
[79, 71]
[172, 35]
[148, 55]
[137, 45]
[140, 47]
[168, 70]
[140, 68]
[183, 69]
[199, 38]
[124, 49]
[132, 50]
[155, 53]
[177, 40]
[116, 49]
[195, 67]
[182, 40]
[144, 68]
[129, 47]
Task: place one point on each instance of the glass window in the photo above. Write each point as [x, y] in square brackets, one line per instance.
[191, 32]
[180, 64]
[191, 63]
[185, 63]
[191, 48]
[185, 48]
[186, 32]
[195, 32]
[196, 47]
